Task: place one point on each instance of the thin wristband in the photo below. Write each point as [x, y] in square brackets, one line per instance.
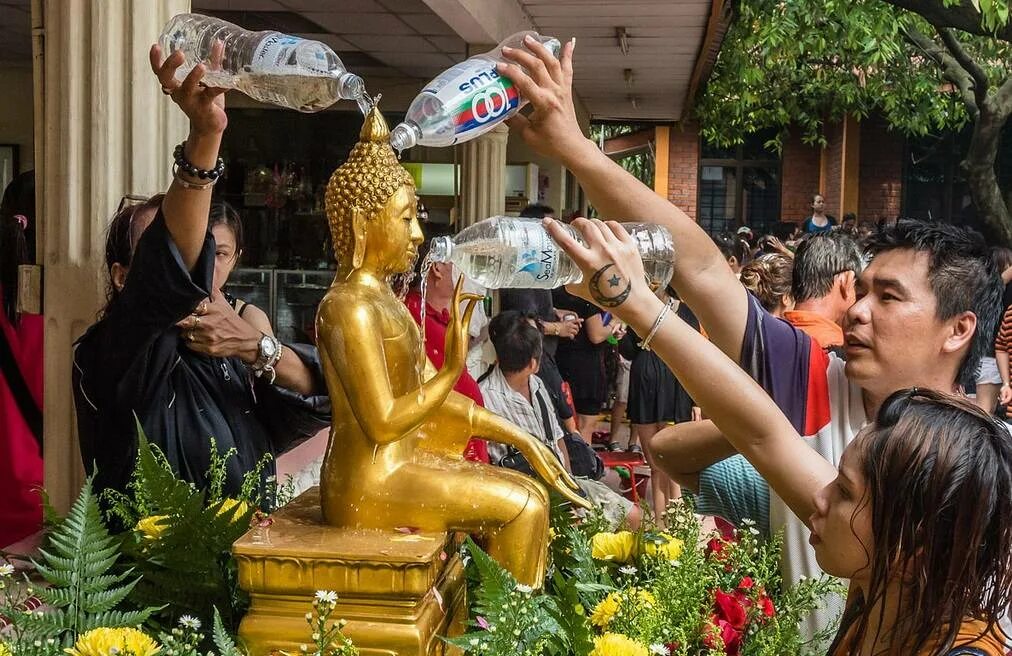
[645, 344]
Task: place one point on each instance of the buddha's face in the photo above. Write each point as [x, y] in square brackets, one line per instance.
[393, 235]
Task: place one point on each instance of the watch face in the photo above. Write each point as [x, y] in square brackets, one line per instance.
[268, 346]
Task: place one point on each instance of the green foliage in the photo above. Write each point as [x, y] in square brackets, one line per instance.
[83, 589]
[186, 564]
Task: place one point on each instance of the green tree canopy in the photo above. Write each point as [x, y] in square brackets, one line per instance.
[924, 65]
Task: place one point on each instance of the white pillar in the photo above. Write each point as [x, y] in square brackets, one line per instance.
[483, 177]
[105, 131]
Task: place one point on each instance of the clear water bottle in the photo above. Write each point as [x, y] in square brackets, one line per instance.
[268, 66]
[503, 252]
[465, 101]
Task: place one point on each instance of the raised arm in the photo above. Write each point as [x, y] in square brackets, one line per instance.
[702, 276]
[748, 418]
[186, 209]
[355, 350]
[684, 450]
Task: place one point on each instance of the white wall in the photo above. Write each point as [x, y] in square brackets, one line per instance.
[16, 124]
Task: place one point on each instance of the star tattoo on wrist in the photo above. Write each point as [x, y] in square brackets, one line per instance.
[599, 285]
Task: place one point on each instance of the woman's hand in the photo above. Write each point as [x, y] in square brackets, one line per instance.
[612, 269]
[215, 329]
[204, 106]
[551, 129]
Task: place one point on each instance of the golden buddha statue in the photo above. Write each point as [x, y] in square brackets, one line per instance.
[394, 458]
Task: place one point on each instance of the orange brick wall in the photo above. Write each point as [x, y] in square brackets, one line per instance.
[800, 179]
[834, 169]
[683, 167]
[881, 172]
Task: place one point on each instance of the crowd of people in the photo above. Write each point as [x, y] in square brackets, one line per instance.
[835, 383]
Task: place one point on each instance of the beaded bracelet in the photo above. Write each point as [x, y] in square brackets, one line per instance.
[188, 168]
[186, 184]
[645, 344]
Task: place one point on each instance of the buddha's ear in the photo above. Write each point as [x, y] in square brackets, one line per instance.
[358, 227]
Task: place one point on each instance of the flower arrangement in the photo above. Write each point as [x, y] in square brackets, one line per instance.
[652, 593]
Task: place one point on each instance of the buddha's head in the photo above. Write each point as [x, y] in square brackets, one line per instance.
[371, 206]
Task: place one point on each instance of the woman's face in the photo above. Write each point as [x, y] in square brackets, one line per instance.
[841, 525]
[225, 254]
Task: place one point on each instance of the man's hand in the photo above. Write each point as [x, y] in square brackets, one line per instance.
[551, 129]
[215, 329]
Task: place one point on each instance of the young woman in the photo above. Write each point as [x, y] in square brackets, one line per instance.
[819, 221]
[769, 278]
[917, 517]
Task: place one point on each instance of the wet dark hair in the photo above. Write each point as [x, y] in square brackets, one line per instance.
[17, 237]
[516, 340]
[961, 273]
[537, 211]
[938, 472]
[819, 259]
[121, 239]
[769, 278]
[224, 214]
[727, 245]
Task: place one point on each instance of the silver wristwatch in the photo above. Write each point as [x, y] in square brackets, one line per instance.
[268, 353]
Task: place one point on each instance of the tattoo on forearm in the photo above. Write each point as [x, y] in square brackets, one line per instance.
[602, 287]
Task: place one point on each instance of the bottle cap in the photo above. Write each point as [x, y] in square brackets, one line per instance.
[404, 136]
[440, 248]
[350, 86]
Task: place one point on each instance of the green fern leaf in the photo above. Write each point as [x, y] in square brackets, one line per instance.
[222, 640]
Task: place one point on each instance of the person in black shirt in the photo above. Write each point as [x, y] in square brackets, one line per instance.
[170, 350]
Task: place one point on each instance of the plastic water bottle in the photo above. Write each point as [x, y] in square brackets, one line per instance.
[268, 66]
[503, 252]
[465, 101]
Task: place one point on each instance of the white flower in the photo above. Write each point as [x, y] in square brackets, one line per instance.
[189, 622]
[326, 596]
[659, 650]
[6, 569]
[526, 589]
[753, 531]
[748, 522]
[628, 570]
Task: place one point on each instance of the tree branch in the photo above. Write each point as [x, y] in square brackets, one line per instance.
[951, 69]
[1002, 101]
[963, 16]
[980, 82]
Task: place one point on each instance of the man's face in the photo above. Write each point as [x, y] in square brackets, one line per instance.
[892, 333]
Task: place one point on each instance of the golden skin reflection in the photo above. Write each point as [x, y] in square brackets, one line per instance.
[394, 455]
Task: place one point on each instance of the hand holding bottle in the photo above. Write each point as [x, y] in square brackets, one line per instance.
[204, 106]
[551, 129]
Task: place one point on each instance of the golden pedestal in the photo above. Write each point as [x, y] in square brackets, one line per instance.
[398, 592]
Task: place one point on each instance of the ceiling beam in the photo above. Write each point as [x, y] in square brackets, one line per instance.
[482, 21]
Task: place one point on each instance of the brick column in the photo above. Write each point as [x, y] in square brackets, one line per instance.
[683, 167]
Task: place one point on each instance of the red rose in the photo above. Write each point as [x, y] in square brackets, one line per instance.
[717, 548]
[731, 608]
[767, 606]
[746, 583]
[730, 636]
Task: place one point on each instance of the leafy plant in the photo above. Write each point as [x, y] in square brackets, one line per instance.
[181, 537]
[83, 589]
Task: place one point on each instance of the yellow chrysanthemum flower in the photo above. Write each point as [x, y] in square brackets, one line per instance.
[114, 642]
[152, 527]
[4, 649]
[616, 644]
[669, 550]
[228, 504]
[606, 610]
[619, 547]
[646, 598]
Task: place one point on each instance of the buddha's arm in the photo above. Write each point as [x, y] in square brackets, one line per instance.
[448, 430]
[353, 344]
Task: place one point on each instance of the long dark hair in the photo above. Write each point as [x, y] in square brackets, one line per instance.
[122, 237]
[17, 237]
[939, 482]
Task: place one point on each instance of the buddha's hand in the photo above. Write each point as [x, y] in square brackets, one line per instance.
[546, 465]
[613, 275]
[457, 336]
[203, 105]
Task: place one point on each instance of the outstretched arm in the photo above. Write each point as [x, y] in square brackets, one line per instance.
[748, 418]
[702, 276]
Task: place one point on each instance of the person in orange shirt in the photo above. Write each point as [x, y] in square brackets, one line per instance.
[825, 269]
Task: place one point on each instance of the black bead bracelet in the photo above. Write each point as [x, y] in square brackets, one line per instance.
[188, 168]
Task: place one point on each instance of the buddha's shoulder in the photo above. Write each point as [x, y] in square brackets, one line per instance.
[344, 299]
